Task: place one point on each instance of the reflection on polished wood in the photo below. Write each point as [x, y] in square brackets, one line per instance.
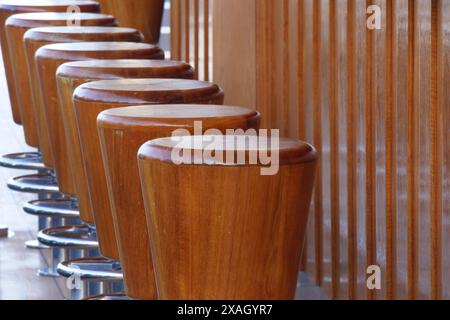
[73, 74]
[127, 209]
[11, 7]
[222, 230]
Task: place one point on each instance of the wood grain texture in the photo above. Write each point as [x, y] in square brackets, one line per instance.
[126, 209]
[16, 26]
[386, 137]
[73, 74]
[209, 241]
[11, 7]
[47, 100]
[143, 15]
[48, 59]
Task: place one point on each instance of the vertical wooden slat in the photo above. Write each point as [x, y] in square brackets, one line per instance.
[334, 146]
[187, 28]
[176, 29]
[391, 150]
[196, 37]
[317, 119]
[370, 152]
[436, 150]
[413, 163]
[301, 100]
[286, 70]
[206, 39]
[351, 118]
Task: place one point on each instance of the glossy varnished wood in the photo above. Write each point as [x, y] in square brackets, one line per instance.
[144, 15]
[49, 58]
[90, 100]
[16, 26]
[73, 74]
[50, 136]
[223, 230]
[11, 7]
[122, 131]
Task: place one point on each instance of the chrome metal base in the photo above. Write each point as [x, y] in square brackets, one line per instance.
[35, 244]
[23, 161]
[110, 297]
[35, 183]
[92, 269]
[53, 208]
[69, 237]
[48, 273]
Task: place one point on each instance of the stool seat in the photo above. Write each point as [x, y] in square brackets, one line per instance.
[72, 74]
[220, 226]
[156, 91]
[48, 59]
[16, 26]
[122, 131]
[11, 7]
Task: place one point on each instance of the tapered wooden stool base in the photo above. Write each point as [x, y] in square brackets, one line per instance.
[11, 7]
[144, 15]
[71, 75]
[218, 228]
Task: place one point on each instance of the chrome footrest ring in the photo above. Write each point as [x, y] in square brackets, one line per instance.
[91, 269]
[35, 183]
[69, 237]
[53, 208]
[23, 161]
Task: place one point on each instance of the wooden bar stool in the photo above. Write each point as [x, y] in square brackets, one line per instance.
[219, 228]
[48, 59]
[16, 26]
[122, 131]
[71, 75]
[96, 97]
[11, 7]
[144, 15]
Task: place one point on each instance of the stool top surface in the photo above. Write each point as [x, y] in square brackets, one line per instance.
[167, 114]
[13, 4]
[30, 19]
[290, 151]
[59, 34]
[95, 50]
[140, 91]
[96, 69]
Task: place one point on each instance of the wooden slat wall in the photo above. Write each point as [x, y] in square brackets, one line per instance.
[191, 35]
[374, 104]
